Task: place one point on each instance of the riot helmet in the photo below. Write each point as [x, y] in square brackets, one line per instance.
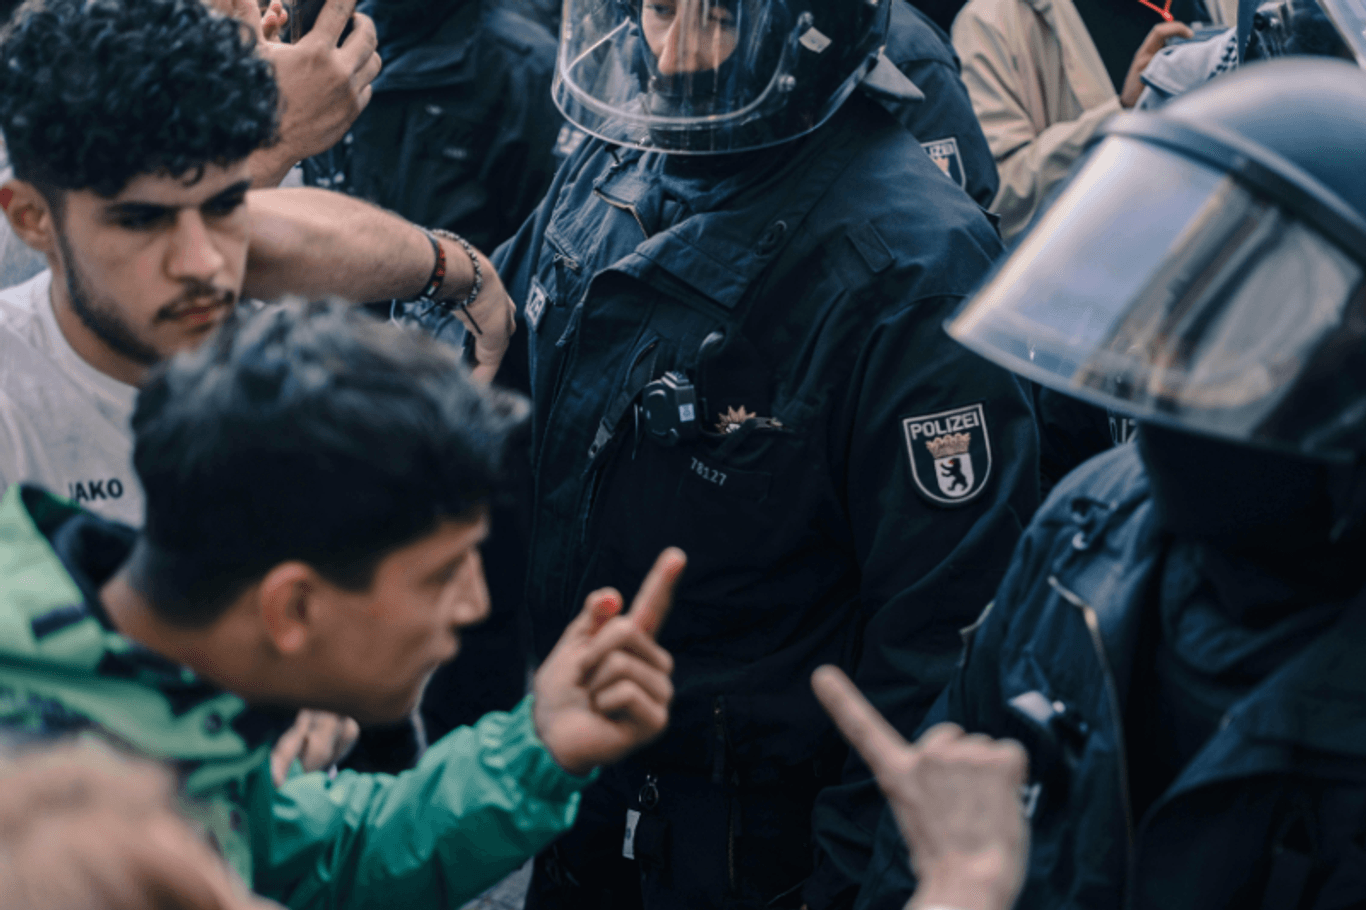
[712, 76]
[1204, 269]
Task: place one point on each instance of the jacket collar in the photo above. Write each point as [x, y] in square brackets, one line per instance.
[1107, 554]
[54, 557]
[743, 224]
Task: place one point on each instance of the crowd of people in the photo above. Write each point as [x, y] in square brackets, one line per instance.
[863, 454]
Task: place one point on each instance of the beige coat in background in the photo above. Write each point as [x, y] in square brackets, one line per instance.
[1039, 88]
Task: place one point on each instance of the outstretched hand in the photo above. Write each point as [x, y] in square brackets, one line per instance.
[955, 796]
[605, 689]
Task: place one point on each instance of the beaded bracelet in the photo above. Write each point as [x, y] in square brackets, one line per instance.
[438, 276]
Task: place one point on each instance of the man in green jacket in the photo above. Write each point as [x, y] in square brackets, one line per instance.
[317, 488]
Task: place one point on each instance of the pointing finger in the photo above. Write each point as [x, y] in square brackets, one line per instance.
[865, 729]
[653, 601]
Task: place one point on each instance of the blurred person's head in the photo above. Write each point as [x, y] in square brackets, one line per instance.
[81, 827]
[128, 124]
[317, 486]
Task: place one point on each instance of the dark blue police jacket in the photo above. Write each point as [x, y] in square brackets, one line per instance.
[461, 132]
[819, 525]
[944, 122]
[1271, 813]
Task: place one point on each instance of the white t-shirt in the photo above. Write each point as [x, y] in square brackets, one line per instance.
[63, 424]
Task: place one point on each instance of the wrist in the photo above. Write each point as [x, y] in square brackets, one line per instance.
[540, 727]
[963, 889]
[459, 270]
[269, 166]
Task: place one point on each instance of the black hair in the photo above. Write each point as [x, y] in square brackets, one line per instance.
[96, 92]
[307, 432]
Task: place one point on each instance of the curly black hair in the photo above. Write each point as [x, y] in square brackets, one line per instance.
[96, 92]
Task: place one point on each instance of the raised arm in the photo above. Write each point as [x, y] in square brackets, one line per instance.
[316, 244]
[485, 798]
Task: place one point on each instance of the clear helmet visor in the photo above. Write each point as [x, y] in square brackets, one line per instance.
[699, 76]
[1169, 291]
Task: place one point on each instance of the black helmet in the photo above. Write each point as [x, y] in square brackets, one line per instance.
[712, 76]
[1204, 269]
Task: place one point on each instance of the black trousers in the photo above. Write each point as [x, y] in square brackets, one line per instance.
[697, 844]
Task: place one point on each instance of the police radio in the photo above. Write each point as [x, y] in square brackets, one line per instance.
[669, 406]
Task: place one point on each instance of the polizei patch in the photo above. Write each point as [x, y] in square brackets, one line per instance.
[944, 152]
[950, 454]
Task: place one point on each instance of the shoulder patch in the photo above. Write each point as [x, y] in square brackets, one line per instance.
[950, 453]
[568, 141]
[944, 152]
[535, 305]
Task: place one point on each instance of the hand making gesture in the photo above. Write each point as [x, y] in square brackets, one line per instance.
[956, 798]
[605, 690]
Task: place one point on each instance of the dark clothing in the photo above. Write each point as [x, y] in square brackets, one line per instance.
[944, 122]
[461, 134]
[461, 131]
[546, 12]
[1118, 28]
[802, 290]
[1071, 431]
[1256, 788]
[940, 12]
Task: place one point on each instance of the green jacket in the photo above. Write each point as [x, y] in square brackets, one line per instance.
[480, 802]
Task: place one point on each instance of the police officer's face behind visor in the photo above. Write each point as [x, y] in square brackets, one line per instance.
[688, 36]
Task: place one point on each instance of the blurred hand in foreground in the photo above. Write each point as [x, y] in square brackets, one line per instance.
[955, 796]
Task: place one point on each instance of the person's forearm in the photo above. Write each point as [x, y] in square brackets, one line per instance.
[317, 244]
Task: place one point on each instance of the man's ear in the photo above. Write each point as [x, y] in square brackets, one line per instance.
[30, 215]
[287, 598]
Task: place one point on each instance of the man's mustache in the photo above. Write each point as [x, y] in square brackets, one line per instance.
[195, 297]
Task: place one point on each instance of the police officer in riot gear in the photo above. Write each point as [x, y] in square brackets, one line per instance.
[732, 301]
[1178, 641]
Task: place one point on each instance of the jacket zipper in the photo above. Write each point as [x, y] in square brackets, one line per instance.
[623, 207]
[598, 466]
[1111, 690]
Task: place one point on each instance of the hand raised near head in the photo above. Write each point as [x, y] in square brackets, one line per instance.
[323, 87]
[605, 689]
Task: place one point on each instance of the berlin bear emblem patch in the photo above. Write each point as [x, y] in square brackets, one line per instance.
[950, 454]
[944, 152]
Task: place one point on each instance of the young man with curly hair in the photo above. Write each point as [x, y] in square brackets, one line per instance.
[316, 484]
[131, 126]
[135, 130]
